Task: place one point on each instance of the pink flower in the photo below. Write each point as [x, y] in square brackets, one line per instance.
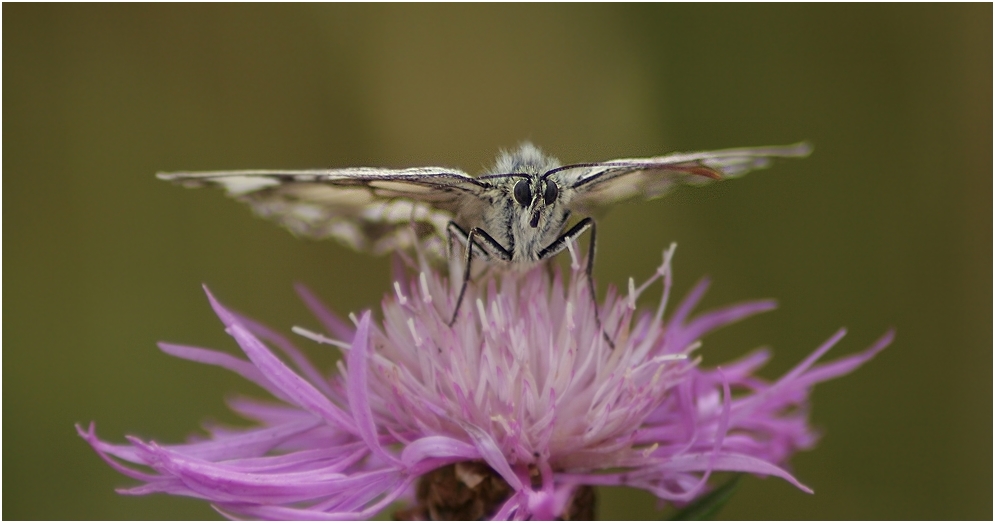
[512, 413]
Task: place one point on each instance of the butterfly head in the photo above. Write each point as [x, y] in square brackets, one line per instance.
[533, 193]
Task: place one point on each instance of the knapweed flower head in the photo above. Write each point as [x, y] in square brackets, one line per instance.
[514, 412]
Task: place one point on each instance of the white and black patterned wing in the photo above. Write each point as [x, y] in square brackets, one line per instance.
[369, 209]
[599, 185]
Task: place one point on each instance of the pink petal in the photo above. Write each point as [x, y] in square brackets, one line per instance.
[293, 386]
[359, 400]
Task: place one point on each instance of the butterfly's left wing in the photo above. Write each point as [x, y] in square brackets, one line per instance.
[369, 209]
[596, 186]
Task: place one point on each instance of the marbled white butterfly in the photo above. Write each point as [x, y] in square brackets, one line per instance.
[516, 213]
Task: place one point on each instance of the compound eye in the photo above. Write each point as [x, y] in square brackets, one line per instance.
[523, 193]
[551, 192]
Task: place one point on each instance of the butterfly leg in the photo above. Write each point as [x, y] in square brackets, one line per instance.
[560, 243]
[455, 233]
[489, 244]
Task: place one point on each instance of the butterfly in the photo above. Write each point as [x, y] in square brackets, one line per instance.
[517, 213]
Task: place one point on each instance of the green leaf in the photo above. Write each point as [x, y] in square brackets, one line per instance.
[709, 505]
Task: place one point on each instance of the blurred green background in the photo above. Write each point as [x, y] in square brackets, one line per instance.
[886, 224]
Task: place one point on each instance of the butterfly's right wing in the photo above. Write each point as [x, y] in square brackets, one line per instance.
[597, 186]
[369, 209]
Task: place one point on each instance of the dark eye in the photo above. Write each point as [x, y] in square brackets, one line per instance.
[523, 193]
[551, 192]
